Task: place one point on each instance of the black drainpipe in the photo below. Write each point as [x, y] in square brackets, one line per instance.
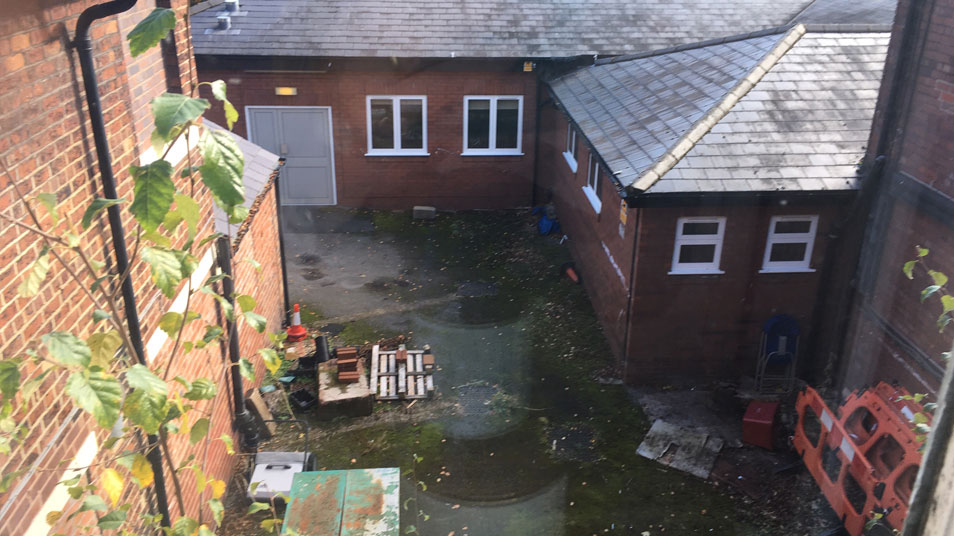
[84, 49]
[243, 419]
[281, 240]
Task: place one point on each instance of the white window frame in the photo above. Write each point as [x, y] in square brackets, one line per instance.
[570, 150]
[682, 240]
[396, 111]
[591, 189]
[808, 238]
[493, 150]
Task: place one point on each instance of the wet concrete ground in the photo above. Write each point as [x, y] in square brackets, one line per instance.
[521, 438]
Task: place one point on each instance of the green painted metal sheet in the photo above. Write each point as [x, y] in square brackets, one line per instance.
[356, 502]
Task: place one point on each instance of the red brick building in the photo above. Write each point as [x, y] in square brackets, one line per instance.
[697, 186]
[46, 144]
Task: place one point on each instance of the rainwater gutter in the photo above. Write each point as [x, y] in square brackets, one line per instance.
[84, 50]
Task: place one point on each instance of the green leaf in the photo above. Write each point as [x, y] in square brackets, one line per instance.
[273, 361]
[166, 268]
[947, 303]
[222, 168]
[96, 207]
[218, 91]
[99, 315]
[211, 333]
[112, 520]
[103, 347]
[140, 377]
[257, 506]
[170, 323]
[246, 369]
[943, 321]
[35, 275]
[227, 439]
[922, 252]
[146, 411]
[93, 502]
[98, 393]
[201, 389]
[48, 200]
[269, 524]
[190, 211]
[199, 430]
[255, 264]
[257, 321]
[908, 269]
[184, 526]
[939, 278]
[187, 263]
[200, 480]
[67, 349]
[238, 214]
[142, 470]
[151, 30]
[204, 530]
[215, 505]
[9, 378]
[927, 292]
[174, 109]
[154, 193]
[246, 302]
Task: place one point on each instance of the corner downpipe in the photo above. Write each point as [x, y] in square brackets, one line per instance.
[84, 50]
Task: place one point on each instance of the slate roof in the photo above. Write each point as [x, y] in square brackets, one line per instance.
[773, 111]
[259, 165]
[477, 28]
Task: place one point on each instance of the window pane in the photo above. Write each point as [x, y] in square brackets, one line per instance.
[478, 124]
[794, 251]
[700, 228]
[797, 226]
[382, 124]
[507, 118]
[697, 253]
[412, 124]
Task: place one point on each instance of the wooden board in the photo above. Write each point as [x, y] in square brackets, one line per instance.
[391, 380]
[357, 502]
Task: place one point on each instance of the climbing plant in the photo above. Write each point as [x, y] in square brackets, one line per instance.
[102, 376]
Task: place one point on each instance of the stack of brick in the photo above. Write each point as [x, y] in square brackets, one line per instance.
[348, 364]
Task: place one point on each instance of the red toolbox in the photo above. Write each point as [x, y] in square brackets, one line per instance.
[758, 425]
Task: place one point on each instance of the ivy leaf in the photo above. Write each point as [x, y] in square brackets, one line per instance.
[9, 378]
[48, 200]
[201, 389]
[255, 320]
[229, 447]
[96, 207]
[908, 269]
[140, 377]
[112, 484]
[145, 411]
[218, 511]
[257, 506]
[272, 360]
[103, 347]
[153, 193]
[222, 167]
[112, 520]
[151, 30]
[218, 91]
[67, 349]
[98, 393]
[166, 268]
[174, 109]
[35, 275]
[246, 369]
[939, 278]
[142, 470]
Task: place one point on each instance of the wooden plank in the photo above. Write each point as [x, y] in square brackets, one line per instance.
[420, 387]
[402, 379]
[374, 366]
[430, 383]
[419, 362]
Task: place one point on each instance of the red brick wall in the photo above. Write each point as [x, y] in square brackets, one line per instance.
[445, 179]
[587, 230]
[47, 145]
[710, 325]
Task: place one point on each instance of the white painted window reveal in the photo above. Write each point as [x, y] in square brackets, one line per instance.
[698, 247]
[493, 125]
[592, 188]
[788, 247]
[397, 125]
[569, 153]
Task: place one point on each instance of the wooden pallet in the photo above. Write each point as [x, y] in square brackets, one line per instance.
[392, 380]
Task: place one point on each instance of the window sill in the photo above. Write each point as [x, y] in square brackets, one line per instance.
[397, 153]
[593, 198]
[570, 161]
[780, 270]
[491, 152]
[686, 271]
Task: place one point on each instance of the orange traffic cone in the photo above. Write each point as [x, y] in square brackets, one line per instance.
[296, 332]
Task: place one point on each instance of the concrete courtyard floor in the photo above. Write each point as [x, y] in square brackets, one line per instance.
[526, 435]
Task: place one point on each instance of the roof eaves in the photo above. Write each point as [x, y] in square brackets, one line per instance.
[690, 138]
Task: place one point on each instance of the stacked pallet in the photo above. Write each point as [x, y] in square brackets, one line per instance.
[402, 373]
[348, 364]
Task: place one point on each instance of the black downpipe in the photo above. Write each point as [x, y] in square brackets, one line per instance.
[281, 239]
[84, 50]
[243, 419]
[630, 294]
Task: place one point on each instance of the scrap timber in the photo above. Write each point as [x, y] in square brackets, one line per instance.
[402, 373]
